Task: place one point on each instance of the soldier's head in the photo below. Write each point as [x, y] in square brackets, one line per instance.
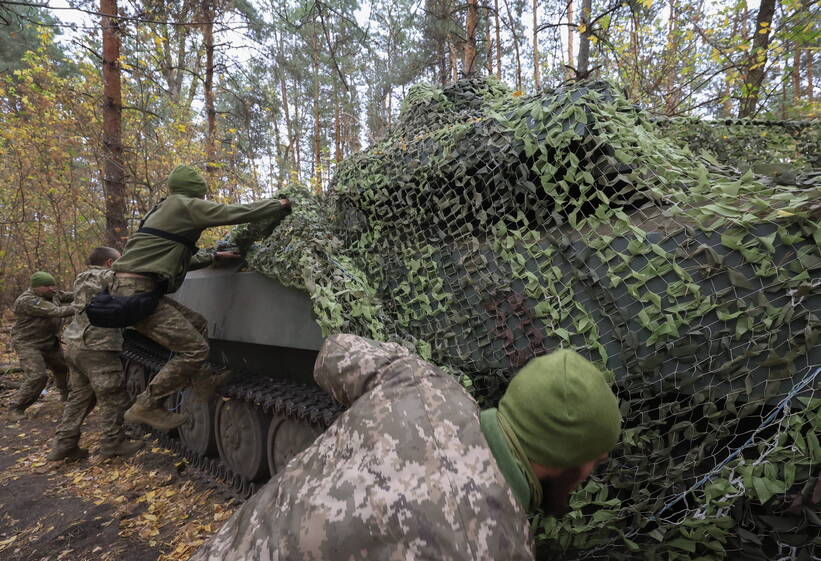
[43, 284]
[103, 257]
[566, 419]
[185, 180]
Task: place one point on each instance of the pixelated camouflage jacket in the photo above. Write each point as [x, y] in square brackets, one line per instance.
[80, 333]
[37, 320]
[404, 474]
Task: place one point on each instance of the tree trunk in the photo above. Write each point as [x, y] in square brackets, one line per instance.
[796, 74]
[337, 128]
[210, 110]
[536, 74]
[114, 171]
[757, 60]
[570, 51]
[489, 54]
[584, 40]
[454, 64]
[498, 40]
[470, 33]
[317, 141]
[810, 93]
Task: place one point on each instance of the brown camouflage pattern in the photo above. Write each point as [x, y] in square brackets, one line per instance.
[80, 332]
[96, 378]
[404, 474]
[34, 336]
[37, 320]
[35, 362]
[175, 327]
[96, 372]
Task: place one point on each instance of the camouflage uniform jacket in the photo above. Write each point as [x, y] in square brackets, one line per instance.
[80, 333]
[37, 320]
[404, 474]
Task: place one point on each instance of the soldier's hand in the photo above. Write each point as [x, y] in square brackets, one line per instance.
[285, 203]
[226, 255]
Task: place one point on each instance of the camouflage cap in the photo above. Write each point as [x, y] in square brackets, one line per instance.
[41, 278]
[185, 180]
[562, 410]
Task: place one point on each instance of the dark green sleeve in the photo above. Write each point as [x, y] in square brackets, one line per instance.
[199, 260]
[208, 213]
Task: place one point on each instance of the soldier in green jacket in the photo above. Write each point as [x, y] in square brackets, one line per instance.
[38, 314]
[414, 470]
[157, 258]
[96, 371]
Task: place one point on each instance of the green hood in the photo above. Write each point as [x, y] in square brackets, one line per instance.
[185, 180]
[562, 410]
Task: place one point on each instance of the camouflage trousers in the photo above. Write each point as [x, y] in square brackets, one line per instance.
[96, 378]
[175, 327]
[35, 361]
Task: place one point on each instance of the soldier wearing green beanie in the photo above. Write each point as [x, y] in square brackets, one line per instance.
[38, 318]
[156, 258]
[412, 469]
[557, 419]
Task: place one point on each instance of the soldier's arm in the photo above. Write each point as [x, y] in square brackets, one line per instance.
[65, 297]
[349, 366]
[200, 259]
[208, 213]
[40, 307]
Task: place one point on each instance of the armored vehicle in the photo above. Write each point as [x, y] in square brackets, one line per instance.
[265, 333]
[491, 227]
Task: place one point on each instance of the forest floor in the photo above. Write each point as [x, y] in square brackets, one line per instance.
[144, 508]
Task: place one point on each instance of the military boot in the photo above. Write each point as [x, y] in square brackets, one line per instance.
[64, 395]
[205, 386]
[124, 449]
[148, 411]
[70, 454]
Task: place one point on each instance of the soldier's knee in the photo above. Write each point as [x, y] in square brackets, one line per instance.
[196, 352]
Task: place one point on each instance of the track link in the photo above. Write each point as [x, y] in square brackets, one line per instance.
[304, 403]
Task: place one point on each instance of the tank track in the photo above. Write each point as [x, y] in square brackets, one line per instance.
[277, 397]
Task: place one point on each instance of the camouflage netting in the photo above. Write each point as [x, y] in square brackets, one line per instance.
[787, 151]
[490, 228]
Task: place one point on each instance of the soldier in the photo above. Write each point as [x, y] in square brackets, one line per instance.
[156, 258]
[96, 371]
[38, 317]
[413, 469]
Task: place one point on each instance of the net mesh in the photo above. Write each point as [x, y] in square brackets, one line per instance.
[492, 227]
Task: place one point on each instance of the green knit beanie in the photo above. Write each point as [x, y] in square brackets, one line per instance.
[185, 180]
[41, 278]
[562, 410]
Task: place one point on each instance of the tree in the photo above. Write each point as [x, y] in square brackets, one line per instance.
[584, 39]
[757, 62]
[114, 170]
[470, 38]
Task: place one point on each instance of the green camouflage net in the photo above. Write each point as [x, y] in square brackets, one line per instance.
[787, 151]
[490, 228]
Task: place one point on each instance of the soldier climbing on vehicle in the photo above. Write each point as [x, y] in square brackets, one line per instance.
[38, 318]
[414, 470]
[156, 260]
[96, 371]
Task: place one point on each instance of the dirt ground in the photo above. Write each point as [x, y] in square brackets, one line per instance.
[145, 508]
